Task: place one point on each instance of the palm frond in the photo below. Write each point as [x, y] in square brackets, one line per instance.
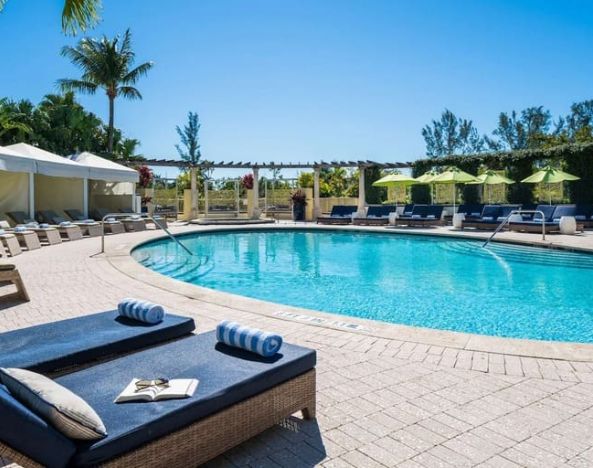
[82, 86]
[129, 92]
[80, 15]
[135, 74]
[2, 3]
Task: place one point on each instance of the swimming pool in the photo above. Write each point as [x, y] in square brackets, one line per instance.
[448, 284]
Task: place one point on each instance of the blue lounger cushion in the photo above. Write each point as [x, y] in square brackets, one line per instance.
[24, 431]
[144, 311]
[53, 346]
[227, 376]
[250, 339]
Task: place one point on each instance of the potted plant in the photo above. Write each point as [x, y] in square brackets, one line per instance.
[299, 201]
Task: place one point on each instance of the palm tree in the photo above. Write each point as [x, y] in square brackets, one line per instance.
[9, 119]
[105, 64]
[76, 14]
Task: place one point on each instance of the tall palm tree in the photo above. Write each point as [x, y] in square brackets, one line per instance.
[76, 14]
[105, 64]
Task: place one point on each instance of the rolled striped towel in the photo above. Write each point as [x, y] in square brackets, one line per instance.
[44, 225]
[143, 311]
[20, 229]
[65, 224]
[250, 339]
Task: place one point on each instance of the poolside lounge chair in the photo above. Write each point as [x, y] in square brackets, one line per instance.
[491, 217]
[47, 234]
[340, 214]
[88, 226]
[377, 215]
[239, 396]
[27, 238]
[584, 215]
[134, 223]
[471, 210]
[10, 242]
[110, 225]
[9, 274]
[552, 215]
[422, 216]
[67, 229]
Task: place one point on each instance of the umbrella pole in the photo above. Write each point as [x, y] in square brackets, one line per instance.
[550, 194]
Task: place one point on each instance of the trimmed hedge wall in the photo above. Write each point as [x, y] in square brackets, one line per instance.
[576, 159]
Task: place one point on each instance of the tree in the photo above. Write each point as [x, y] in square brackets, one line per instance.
[76, 14]
[190, 139]
[451, 135]
[106, 64]
[529, 130]
[9, 121]
[190, 153]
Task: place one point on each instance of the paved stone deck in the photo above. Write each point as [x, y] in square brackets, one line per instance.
[381, 402]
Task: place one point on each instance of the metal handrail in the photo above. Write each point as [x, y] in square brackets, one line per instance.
[142, 216]
[513, 212]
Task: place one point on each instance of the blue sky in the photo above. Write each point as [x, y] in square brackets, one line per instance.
[306, 80]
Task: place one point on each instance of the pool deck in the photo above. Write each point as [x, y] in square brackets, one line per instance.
[388, 395]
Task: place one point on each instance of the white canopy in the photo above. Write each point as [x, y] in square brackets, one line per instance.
[51, 164]
[13, 161]
[104, 169]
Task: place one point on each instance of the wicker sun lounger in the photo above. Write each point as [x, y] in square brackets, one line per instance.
[9, 274]
[340, 214]
[239, 396]
[491, 217]
[377, 215]
[47, 234]
[423, 216]
[552, 215]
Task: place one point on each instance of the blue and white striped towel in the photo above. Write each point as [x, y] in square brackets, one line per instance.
[251, 339]
[20, 229]
[44, 225]
[143, 311]
[65, 224]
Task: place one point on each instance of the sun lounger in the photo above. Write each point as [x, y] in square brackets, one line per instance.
[423, 216]
[491, 217]
[10, 242]
[239, 395]
[9, 274]
[340, 214]
[55, 346]
[134, 223]
[27, 238]
[110, 225]
[88, 226]
[377, 215]
[552, 215]
[68, 229]
[471, 210]
[46, 234]
[584, 215]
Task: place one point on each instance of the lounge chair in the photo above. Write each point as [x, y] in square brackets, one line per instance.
[134, 223]
[491, 217]
[27, 238]
[67, 229]
[9, 274]
[340, 214]
[422, 216]
[552, 215]
[47, 234]
[88, 226]
[10, 242]
[584, 215]
[239, 396]
[110, 225]
[471, 210]
[377, 215]
[407, 211]
[69, 343]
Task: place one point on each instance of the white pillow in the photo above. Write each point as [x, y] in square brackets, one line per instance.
[57, 405]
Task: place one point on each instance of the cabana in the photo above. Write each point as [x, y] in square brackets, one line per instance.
[55, 183]
[111, 186]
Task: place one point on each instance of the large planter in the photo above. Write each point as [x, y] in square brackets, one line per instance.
[298, 212]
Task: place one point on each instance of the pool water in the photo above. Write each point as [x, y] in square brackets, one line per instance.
[449, 284]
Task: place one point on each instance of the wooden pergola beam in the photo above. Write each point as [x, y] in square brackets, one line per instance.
[272, 165]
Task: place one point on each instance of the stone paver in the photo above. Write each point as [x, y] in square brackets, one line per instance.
[381, 402]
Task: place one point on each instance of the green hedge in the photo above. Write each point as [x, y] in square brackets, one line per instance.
[576, 159]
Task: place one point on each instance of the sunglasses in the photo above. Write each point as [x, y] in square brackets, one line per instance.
[143, 384]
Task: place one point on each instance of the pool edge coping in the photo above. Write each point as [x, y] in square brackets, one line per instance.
[119, 256]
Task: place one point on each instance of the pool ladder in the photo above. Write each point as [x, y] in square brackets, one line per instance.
[143, 216]
[514, 212]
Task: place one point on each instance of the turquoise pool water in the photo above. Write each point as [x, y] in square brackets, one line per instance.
[447, 284]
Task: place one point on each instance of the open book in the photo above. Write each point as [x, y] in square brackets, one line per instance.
[177, 388]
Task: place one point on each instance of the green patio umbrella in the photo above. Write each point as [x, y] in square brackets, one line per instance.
[395, 180]
[454, 175]
[548, 175]
[427, 178]
[489, 178]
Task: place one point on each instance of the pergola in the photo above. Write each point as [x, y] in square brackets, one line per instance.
[256, 166]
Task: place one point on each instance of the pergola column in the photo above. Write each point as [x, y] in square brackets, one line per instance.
[361, 192]
[316, 203]
[255, 212]
[194, 193]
